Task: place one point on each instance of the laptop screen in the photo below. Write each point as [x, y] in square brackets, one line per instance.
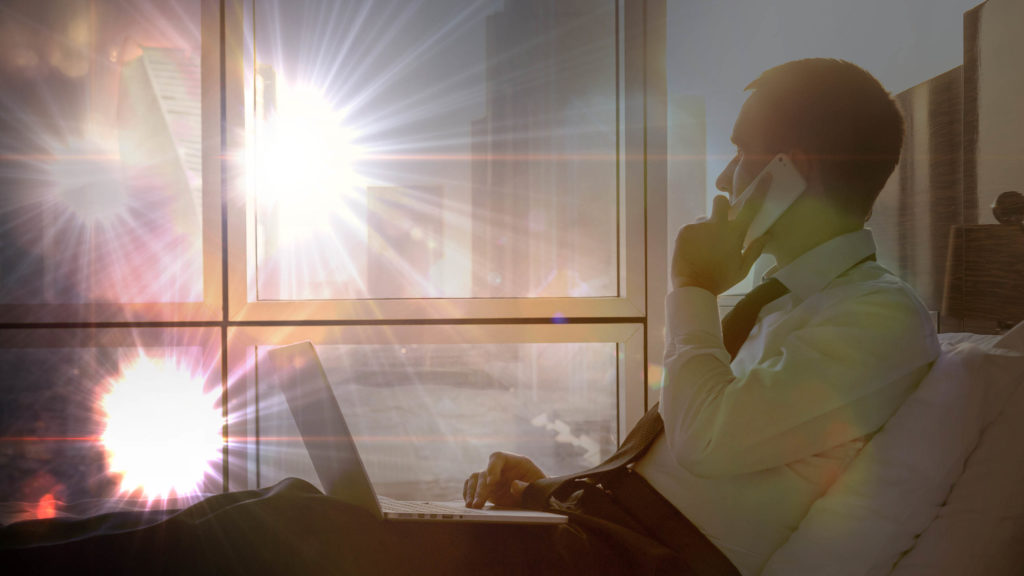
[297, 372]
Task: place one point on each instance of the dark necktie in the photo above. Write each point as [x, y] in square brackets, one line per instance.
[738, 323]
[736, 326]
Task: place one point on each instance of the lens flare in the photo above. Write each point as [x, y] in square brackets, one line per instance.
[305, 168]
[88, 185]
[47, 506]
[161, 430]
[310, 201]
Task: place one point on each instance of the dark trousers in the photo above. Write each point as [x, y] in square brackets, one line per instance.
[291, 528]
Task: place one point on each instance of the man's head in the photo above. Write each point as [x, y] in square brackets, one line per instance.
[840, 126]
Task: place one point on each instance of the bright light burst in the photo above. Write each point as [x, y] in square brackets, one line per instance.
[161, 430]
[89, 187]
[311, 203]
[305, 166]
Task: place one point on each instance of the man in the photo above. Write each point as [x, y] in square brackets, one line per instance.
[757, 428]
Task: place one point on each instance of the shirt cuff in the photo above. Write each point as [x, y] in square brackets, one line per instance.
[692, 326]
[691, 309]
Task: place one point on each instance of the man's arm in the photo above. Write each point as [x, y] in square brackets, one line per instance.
[838, 377]
[834, 380]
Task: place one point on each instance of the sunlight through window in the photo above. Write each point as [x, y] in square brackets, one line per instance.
[305, 172]
[161, 430]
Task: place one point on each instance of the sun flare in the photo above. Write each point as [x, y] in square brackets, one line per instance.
[305, 169]
[161, 430]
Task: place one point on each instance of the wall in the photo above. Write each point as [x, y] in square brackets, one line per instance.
[687, 167]
[924, 198]
[963, 148]
[1000, 103]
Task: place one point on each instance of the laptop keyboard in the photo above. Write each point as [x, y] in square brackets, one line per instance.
[407, 507]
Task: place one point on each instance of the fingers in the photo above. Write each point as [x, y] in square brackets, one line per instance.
[482, 491]
[502, 482]
[518, 486]
[477, 490]
[469, 488]
[481, 486]
[753, 204]
[720, 208]
[752, 253]
[495, 464]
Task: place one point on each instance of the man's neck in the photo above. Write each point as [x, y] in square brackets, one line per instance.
[787, 248]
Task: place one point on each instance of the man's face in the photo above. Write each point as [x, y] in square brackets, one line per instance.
[752, 152]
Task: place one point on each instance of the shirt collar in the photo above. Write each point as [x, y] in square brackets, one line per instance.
[814, 269]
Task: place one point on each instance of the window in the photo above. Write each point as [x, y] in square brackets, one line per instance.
[456, 149]
[428, 404]
[450, 199]
[447, 160]
[102, 196]
[446, 182]
[88, 413]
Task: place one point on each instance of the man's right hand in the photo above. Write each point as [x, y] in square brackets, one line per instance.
[502, 482]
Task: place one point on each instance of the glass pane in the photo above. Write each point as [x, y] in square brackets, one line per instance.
[451, 148]
[100, 160]
[426, 416]
[81, 423]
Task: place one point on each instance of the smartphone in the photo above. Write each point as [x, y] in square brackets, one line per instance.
[787, 185]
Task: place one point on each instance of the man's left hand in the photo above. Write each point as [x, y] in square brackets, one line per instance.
[709, 254]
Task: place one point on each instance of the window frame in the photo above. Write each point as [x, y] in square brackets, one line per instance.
[633, 319]
[210, 308]
[203, 337]
[631, 303]
[248, 343]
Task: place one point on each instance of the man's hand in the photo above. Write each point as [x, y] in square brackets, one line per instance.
[502, 482]
[709, 254]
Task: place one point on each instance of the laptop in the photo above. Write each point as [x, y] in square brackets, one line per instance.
[296, 370]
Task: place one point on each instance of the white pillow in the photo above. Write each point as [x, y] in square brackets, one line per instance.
[980, 530]
[896, 485]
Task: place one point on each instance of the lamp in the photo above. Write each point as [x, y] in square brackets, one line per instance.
[984, 290]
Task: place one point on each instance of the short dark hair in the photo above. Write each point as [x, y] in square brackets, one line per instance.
[840, 114]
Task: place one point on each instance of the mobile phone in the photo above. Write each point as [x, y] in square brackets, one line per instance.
[787, 185]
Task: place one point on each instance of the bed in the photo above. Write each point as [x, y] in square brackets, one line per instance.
[940, 489]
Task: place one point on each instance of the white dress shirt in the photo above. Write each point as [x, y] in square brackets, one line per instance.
[750, 445]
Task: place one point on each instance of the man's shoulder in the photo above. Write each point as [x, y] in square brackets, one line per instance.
[871, 294]
[874, 282]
